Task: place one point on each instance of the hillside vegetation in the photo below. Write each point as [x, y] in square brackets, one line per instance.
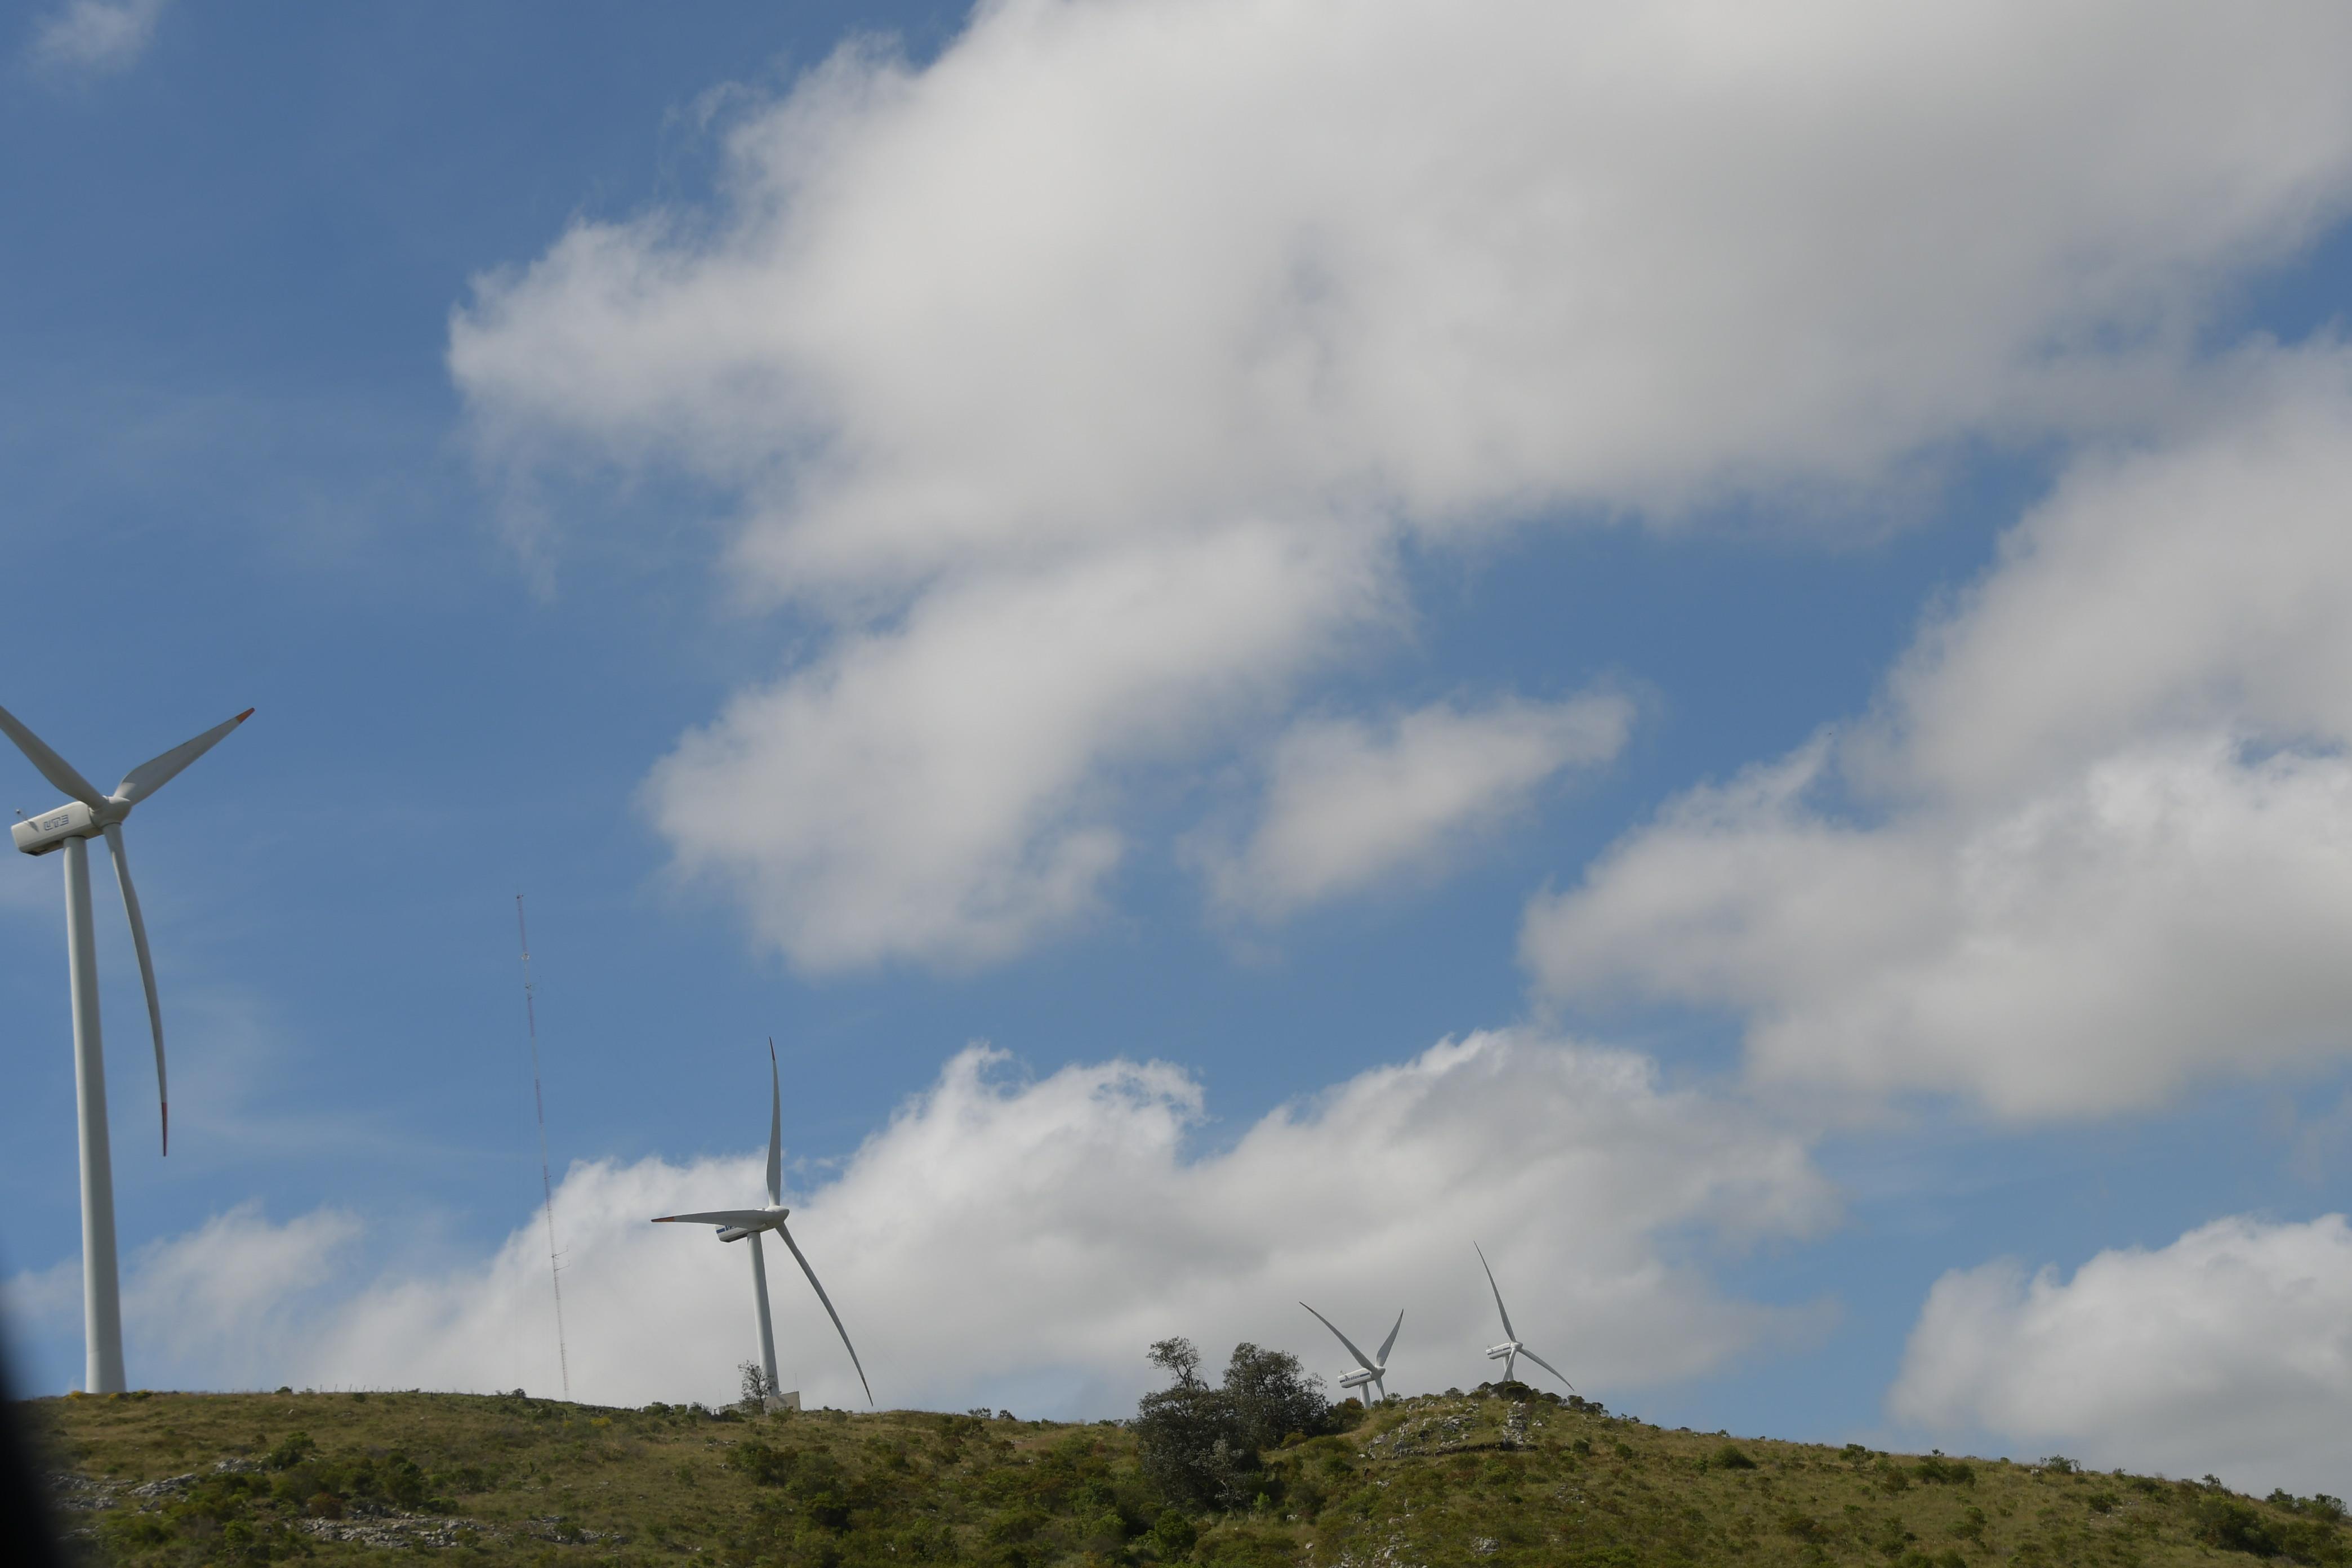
[1489, 1479]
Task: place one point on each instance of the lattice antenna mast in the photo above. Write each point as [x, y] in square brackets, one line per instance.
[546, 1182]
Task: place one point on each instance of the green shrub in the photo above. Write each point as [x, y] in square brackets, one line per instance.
[1803, 1525]
[1172, 1533]
[2319, 1506]
[295, 1448]
[2235, 1524]
[827, 1509]
[1202, 1448]
[1020, 1524]
[1730, 1456]
[767, 1467]
[403, 1481]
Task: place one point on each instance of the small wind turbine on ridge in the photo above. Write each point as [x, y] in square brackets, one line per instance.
[734, 1224]
[71, 827]
[1368, 1369]
[1509, 1351]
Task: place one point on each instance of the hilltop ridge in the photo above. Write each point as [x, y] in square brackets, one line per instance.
[1495, 1477]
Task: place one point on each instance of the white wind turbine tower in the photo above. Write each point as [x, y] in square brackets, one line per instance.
[734, 1224]
[1509, 1351]
[1368, 1369]
[71, 827]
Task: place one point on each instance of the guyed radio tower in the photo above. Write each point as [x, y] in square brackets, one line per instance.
[546, 1184]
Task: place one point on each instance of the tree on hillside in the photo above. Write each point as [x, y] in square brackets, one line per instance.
[1273, 1396]
[1200, 1445]
[1179, 1357]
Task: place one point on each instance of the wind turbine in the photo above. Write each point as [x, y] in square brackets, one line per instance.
[1368, 1369]
[1509, 1351]
[71, 827]
[734, 1224]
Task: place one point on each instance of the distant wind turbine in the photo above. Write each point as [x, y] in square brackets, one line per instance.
[1371, 1370]
[1509, 1351]
[71, 827]
[734, 1224]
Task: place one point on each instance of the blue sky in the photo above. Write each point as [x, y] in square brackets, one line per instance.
[1772, 589]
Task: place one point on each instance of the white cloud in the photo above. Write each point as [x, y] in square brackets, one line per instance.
[2188, 584]
[2096, 843]
[2229, 1352]
[1348, 804]
[50, 1292]
[96, 36]
[1109, 278]
[1021, 1242]
[1103, 269]
[237, 1283]
[935, 791]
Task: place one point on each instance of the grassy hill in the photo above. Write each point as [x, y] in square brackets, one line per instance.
[1487, 1480]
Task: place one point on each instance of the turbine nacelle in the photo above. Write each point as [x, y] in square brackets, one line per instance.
[749, 1228]
[48, 832]
[1508, 1348]
[734, 1224]
[1370, 1371]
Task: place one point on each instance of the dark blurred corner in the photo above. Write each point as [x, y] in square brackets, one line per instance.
[28, 1526]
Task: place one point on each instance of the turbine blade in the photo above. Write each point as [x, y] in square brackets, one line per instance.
[1547, 1366]
[1362, 1359]
[54, 768]
[829, 1312]
[1387, 1343]
[146, 970]
[1508, 1333]
[749, 1219]
[156, 771]
[775, 1129]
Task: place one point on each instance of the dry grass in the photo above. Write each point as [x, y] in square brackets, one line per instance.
[171, 1479]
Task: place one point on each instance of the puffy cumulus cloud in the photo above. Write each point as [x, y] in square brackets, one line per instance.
[1021, 1241]
[2189, 584]
[96, 35]
[2228, 1352]
[2096, 842]
[237, 1282]
[1348, 803]
[1101, 267]
[2170, 912]
[214, 1308]
[1105, 280]
[936, 791]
